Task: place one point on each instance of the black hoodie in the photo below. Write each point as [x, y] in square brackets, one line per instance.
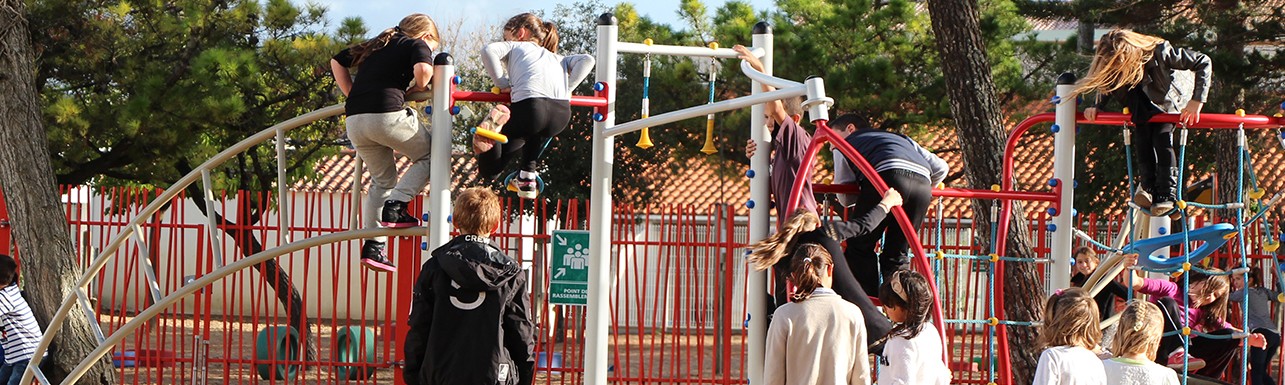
[468, 320]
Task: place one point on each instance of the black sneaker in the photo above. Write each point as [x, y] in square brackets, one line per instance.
[395, 216]
[372, 257]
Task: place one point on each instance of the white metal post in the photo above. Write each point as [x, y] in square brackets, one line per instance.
[596, 324]
[439, 191]
[1064, 174]
[760, 186]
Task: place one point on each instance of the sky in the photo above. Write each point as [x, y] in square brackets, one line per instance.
[380, 14]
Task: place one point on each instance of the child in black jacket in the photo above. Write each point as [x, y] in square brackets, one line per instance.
[469, 321]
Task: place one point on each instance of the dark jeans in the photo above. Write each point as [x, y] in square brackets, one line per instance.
[916, 192]
[1156, 158]
[11, 374]
[1217, 353]
[1260, 359]
[532, 124]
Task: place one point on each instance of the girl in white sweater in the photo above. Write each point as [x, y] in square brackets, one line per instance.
[913, 354]
[1135, 346]
[818, 338]
[1070, 335]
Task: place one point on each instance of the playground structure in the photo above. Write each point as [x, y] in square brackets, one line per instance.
[600, 213]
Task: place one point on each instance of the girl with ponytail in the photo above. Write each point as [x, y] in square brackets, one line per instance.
[819, 338]
[539, 80]
[379, 123]
[913, 352]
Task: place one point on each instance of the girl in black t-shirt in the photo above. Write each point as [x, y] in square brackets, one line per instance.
[378, 123]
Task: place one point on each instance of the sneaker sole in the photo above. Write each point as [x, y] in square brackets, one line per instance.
[528, 194]
[378, 267]
[398, 225]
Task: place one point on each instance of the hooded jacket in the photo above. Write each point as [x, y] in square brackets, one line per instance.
[468, 321]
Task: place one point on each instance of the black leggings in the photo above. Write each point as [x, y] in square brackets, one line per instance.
[1260, 359]
[917, 194]
[1156, 156]
[532, 124]
[1217, 353]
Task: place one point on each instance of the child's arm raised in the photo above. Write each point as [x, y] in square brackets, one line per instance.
[774, 109]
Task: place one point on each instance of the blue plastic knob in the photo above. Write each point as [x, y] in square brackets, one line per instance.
[455, 110]
[598, 117]
[749, 174]
[1075, 183]
[599, 86]
[1052, 228]
[1052, 211]
[1056, 99]
[457, 80]
[1163, 230]
[425, 216]
[1055, 128]
[428, 110]
[449, 218]
[1053, 182]
[749, 203]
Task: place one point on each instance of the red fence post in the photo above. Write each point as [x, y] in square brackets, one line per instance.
[5, 245]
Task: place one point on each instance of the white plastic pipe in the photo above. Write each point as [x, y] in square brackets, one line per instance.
[599, 287]
[675, 50]
[1064, 172]
[439, 177]
[760, 187]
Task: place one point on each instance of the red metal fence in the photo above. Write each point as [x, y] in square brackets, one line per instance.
[678, 303]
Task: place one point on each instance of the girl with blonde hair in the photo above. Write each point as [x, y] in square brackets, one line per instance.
[819, 338]
[1135, 344]
[1138, 70]
[1070, 336]
[379, 123]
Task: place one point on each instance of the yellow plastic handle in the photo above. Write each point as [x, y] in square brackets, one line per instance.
[492, 135]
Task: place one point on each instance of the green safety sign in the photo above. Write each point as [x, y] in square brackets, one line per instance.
[569, 268]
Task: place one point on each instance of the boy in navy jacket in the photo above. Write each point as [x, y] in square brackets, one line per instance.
[469, 321]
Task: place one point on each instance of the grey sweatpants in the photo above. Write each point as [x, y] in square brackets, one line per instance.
[376, 136]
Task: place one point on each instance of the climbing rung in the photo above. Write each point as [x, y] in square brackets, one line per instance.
[283, 189]
[149, 272]
[90, 315]
[39, 375]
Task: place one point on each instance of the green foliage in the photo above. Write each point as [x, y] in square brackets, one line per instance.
[140, 92]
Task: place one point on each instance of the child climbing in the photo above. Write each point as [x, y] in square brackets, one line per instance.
[1262, 302]
[527, 65]
[1137, 70]
[1135, 345]
[1070, 337]
[789, 145]
[913, 353]
[819, 338]
[1205, 312]
[379, 123]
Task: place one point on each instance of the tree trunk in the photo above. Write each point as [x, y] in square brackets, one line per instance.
[1226, 97]
[39, 224]
[1084, 37]
[977, 117]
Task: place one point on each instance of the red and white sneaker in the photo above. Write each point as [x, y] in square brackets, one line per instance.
[1176, 358]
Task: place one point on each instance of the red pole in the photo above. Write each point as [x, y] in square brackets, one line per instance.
[5, 229]
[824, 134]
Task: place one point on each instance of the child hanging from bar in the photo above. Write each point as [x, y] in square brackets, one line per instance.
[539, 80]
[789, 143]
[1138, 70]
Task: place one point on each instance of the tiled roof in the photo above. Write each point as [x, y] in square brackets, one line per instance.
[335, 173]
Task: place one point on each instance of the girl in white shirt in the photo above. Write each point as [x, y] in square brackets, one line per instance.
[913, 354]
[1135, 345]
[819, 338]
[526, 64]
[1070, 335]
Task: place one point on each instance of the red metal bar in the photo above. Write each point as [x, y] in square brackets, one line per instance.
[5, 228]
[950, 193]
[491, 97]
[824, 134]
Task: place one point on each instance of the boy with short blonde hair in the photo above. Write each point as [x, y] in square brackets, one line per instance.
[469, 321]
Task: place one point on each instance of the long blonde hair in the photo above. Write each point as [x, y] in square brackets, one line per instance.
[1141, 326]
[1118, 62]
[415, 26]
[768, 251]
[1071, 319]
